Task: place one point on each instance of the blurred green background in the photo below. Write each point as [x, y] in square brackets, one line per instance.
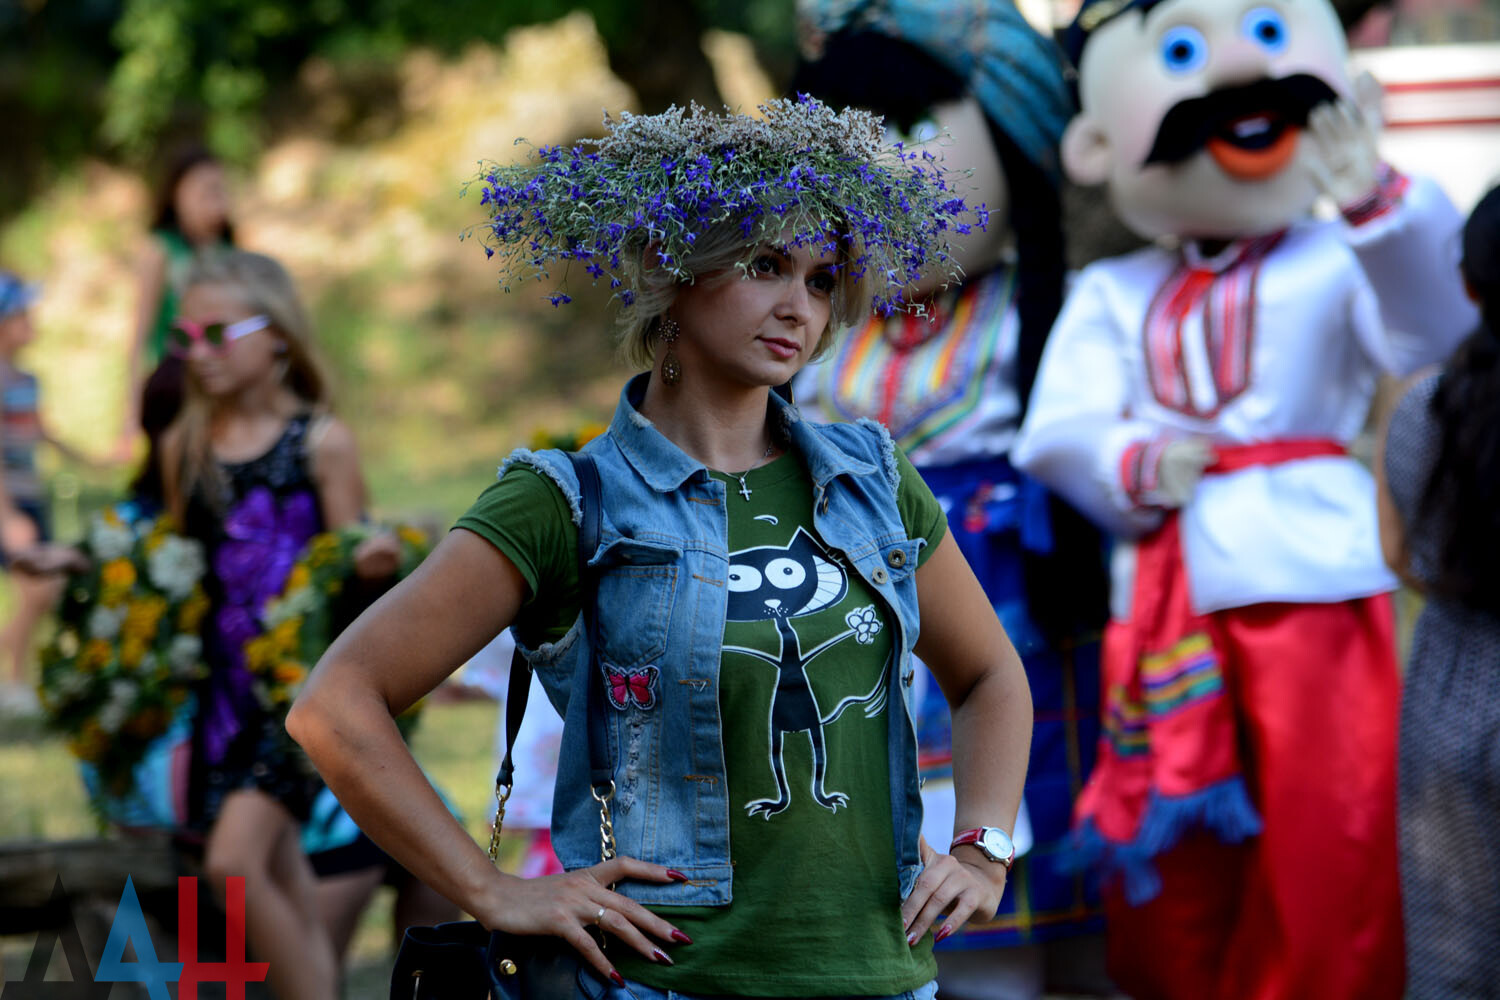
[350, 128]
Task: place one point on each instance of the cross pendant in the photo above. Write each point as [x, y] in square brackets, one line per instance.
[744, 490]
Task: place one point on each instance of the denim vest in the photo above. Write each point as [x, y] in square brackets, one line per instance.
[661, 600]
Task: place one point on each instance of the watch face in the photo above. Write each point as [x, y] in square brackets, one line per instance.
[996, 844]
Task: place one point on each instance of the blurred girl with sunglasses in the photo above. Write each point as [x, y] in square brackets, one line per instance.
[253, 466]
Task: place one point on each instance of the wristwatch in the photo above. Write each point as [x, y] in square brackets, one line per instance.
[992, 841]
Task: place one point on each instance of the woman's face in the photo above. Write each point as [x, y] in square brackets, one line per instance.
[202, 201]
[236, 365]
[759, 328]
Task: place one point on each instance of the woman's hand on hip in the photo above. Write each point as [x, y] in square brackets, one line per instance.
[569, 906]
[952, 888]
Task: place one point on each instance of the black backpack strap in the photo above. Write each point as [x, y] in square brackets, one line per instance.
[601, 771]
[518, 692]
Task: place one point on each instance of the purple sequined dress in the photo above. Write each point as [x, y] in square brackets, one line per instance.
[254, 531]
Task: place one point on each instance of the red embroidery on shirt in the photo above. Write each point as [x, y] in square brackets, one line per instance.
[1227, 302]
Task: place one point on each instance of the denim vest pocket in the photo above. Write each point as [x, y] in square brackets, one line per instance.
[637, 588]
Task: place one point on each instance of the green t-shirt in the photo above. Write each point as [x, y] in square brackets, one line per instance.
[816, 908]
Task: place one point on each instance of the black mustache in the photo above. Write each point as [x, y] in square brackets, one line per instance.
[1191, 123]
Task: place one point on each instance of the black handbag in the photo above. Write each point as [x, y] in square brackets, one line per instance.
[464, 961]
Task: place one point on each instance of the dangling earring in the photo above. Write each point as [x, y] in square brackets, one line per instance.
[671, 368]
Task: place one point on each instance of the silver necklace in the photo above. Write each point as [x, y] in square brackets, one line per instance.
[744, 490]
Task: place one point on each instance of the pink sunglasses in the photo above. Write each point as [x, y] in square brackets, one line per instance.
[216, 335]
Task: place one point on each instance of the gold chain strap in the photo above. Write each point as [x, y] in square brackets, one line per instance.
[606, 825]
[502, 793]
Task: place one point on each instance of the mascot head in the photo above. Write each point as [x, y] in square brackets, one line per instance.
[1194, 111]
[989, 90]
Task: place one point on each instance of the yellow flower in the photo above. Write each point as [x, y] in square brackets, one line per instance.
[142, 617]
[588, 432]
[290, 673]
[94, 654]
[298, 578]
[132, 651]
[322, 550]
[117, 577]
[414, 537]
[159, 532]
[284, 636]
[190, 615]
[260, 654]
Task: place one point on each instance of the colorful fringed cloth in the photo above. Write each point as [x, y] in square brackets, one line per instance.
[1168, 760]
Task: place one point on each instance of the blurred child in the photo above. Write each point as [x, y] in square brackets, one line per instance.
[191, 217]
[24, 524]
[1440, 529]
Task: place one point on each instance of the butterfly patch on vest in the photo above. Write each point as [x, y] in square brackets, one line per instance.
[779, 583]
[627, 688]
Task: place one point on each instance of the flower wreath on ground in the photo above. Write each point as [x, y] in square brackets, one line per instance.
[127, 652]
[799, 173]
[300, 624]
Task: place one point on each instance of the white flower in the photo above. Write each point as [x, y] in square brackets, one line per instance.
[865, 623]
[176, 566]
[183, 653]
[302, 601]
[117, 710]
[108, 541]
[104, 623]
[73, 685]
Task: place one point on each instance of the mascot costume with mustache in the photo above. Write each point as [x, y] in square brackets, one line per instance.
[972, 82]
[1196, 399]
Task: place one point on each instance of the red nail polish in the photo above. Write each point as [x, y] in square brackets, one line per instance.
[661, 957]
[911, 940]
[942, 933]
[619, 980]
[675, 875]
[680, 937]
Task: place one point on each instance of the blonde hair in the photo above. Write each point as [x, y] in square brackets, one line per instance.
[265, 287]
[719, 254]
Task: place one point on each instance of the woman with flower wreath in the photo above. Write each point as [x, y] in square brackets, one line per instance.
[763, 585]
[254, 466]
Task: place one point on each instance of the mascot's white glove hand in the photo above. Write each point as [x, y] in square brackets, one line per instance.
[1345, 162]
[1180, 468]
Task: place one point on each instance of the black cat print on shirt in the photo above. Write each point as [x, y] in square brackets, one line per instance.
[779, 583]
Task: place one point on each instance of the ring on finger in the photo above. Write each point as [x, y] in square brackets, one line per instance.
[599, 916]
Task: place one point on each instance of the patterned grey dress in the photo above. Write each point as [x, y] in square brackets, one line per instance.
[1449, 757]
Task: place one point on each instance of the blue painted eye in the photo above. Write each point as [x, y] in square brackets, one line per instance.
[1265, 27]
[1184, 50]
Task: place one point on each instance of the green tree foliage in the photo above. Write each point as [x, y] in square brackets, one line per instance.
[119, 76]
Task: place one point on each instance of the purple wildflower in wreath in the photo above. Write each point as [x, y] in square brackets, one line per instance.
[799, 173]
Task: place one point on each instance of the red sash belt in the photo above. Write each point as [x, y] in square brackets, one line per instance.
[1168, 758]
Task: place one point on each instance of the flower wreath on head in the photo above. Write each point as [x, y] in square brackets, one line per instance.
[800, 174]
[301, 624]
[127, 652]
